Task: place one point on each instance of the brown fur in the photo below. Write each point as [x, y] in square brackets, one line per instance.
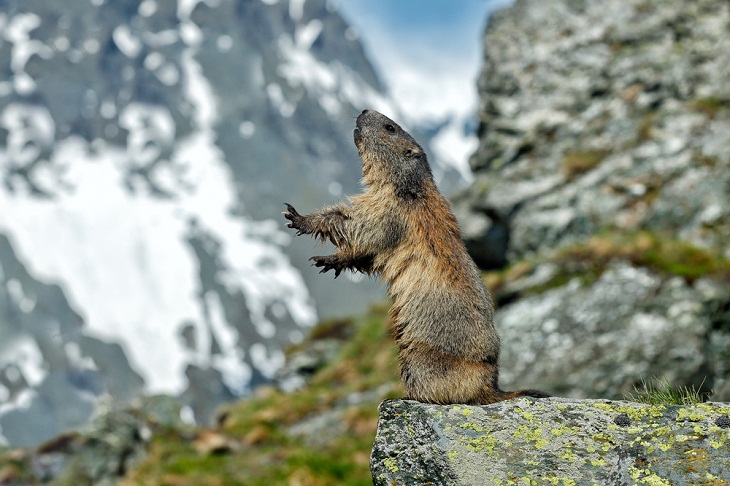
[402, 229]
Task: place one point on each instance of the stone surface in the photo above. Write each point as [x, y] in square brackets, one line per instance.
[605, 115]
[552, 441]
[601, 120]
[597, 340]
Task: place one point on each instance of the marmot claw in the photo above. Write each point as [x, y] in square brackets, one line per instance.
[327, 263]
[296, 219]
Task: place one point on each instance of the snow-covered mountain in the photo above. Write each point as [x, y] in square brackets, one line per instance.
[146, 148]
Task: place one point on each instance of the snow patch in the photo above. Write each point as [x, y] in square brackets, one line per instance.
[276, 98]
[307, 34]
[147, 8]
[266, 361]
[127, 268]
[296, 9]
[23, 353]
[332, 84]
[230, 361]
[126, 42]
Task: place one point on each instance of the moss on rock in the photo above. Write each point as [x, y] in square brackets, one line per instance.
[553, 441]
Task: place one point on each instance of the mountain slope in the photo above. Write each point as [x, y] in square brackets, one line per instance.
[145, 147]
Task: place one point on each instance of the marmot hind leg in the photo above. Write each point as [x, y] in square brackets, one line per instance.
[435, 377]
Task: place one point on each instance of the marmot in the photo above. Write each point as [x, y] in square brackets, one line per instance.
[403, 229]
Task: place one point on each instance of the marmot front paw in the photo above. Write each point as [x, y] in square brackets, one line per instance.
[297, 220]
[327, 263]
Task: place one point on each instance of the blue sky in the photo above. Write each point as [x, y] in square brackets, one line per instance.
[428, 52]
[424, 27]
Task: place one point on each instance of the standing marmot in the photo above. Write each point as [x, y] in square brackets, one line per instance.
[403, 229]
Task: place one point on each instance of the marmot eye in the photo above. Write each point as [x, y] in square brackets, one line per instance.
[390, 128]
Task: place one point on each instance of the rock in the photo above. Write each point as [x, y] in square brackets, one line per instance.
[102, 451]
[612, 115]
[301, 364]
[606, 120]
[601, 339]
[485, 237]
[551, 441]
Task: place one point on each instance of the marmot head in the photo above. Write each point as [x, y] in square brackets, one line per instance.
[390, 155]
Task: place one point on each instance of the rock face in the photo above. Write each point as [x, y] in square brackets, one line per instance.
[599, 339]
[605, 116]
[552, 441]
[101, 451]
[602, 182]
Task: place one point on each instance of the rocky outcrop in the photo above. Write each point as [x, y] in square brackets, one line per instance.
[102, 451]
[611, 115]
[552, 441]
[600, 339]
[602, 182]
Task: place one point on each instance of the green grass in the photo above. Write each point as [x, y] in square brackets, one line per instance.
[587, 260]
[576, 163]
[710, 106]
[660, 392]
[264, 452]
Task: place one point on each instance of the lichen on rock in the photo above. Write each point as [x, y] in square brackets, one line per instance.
[552, 441]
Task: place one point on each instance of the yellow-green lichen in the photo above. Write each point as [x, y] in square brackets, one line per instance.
[646, 476]
[710, 409]
[485, 443]
[567, 454]
[467, 411]
[717, 443]
[452, 455]
[715, 480]
[471, 426]
[526, 414]
[531, 435]
[633, 412]
[391, 464]
[563, 429]
[690, 414]
[557, 481]
[603, 439]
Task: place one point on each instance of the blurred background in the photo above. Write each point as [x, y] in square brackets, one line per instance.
[147, 146]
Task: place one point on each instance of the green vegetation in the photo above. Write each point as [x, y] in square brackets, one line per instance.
[579, 162]
[588, 260]
[253, 445]
[662, 393]
[706, 160]
[645, 127]
[14, 467]
[661, 253]
[710, 106]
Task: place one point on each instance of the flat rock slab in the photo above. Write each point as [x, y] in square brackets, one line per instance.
[552, 441]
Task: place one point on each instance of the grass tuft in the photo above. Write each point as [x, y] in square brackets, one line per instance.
[660, 392]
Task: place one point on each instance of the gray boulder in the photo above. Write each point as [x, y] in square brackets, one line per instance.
[552, 441]
[600, 339]
[606, 121]
[603, 115]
